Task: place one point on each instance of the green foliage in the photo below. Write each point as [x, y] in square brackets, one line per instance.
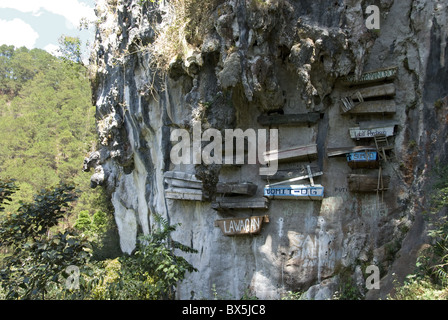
[47, 123]
[38, 259]
[153, 270]
[7, 189]
[84, 222]
[70, 49]
[430, 281]
[18, 66]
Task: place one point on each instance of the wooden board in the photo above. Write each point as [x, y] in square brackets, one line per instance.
[245, 188]
[182, 180]
[372, 107]
[228, 203]
[299, 192]
[241, 226]
[384, 90]
[296, 153]
[366, 183]
[184, 194]
[372, 76]
[288, 119]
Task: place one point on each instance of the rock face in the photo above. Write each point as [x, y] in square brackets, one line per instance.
[250, 58]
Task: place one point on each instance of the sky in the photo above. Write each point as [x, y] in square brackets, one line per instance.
[40, 23]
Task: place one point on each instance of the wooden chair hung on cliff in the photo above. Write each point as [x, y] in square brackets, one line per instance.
[382, 145]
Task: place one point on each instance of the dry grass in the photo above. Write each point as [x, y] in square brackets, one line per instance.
[181, 31]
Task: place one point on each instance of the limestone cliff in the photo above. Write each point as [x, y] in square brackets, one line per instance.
[253, 64]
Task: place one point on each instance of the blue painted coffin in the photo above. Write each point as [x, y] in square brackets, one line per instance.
[299, 192]
[363, 159]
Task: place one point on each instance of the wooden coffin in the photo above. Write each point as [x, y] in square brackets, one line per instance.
[342, 151]
[182, 180]
[298, 192]
[230, 203]
[288, 119]
[366, 183]
[383, 90]
[307, 152]
[372, 107]
[285, 174]
[184, 194]
[245, 188]
[363, 159]
[372, 76]
[241, 226]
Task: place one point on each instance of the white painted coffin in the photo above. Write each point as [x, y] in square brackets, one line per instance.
[299, 192]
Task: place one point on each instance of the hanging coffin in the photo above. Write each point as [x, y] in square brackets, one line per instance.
[183, 186]
[307, 152]
[367, 183]
[299, 192]
[182, 180]
[245, 188]
[372, 76]
[241, 226]
[239, 203]
[363, 159]
[184, 194]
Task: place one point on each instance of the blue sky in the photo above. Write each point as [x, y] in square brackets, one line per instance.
[40, 23]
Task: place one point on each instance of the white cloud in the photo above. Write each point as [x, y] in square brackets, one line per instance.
[52, 49]
[71, 10]
[18, 33]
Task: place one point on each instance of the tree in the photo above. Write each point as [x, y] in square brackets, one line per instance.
[70, 48]
[7, 189]
[153, 270]
[47, 127]
[39, 259]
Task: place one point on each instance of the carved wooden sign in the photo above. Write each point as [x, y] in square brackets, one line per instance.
[241, 226]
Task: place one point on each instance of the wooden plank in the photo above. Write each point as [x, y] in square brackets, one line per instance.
[288, 173]
[288, 119]
[241, 226]
[228, 203]
[342, 151]
[303, 152]
[182, 180]
[184, 194]
[309, 176]
[363, 159]
[366, 183]
[372, 76]
[358, 133]
[245, 188]
[184, 183]
[372, 107]
[384, 90]
[299, 192]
